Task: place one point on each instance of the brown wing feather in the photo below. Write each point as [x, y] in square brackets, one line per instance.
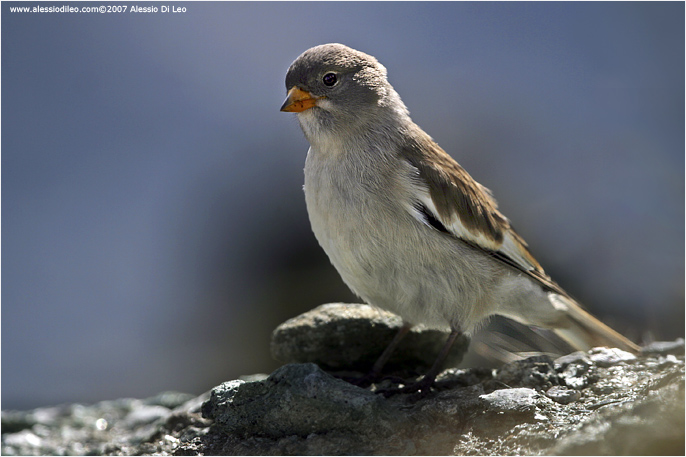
[456, 194]
[453, 190]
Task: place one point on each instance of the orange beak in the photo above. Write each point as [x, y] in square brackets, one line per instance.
[298, 100]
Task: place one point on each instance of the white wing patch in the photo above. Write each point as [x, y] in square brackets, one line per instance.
[455, 226]
[510, 247]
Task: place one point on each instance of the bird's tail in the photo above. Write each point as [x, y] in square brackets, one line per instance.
[583, 331]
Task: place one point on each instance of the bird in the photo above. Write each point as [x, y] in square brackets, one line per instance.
[407, 228]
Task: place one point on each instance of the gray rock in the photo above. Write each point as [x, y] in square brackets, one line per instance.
[648, 420]
[519, 400]
[120, 427]
[563, 395]
[606, 357]
[535, 372]
[622, 407]
[297, 399]
[628, 406]
[578, 374]
[664, 348]
[350, 337]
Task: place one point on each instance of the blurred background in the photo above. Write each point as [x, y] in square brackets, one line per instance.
[154, 230]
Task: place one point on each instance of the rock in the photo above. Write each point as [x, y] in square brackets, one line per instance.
[598, 403]
[562, 395]
[119, 427]
[519, 400]
[664, 348]
[577, 371]
[646, 420]
[536, 372]
[350, 337]
[454, 377]
[297, 399]
[626, 408]
[606, 357]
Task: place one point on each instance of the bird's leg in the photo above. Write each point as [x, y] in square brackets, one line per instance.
[386, 354]
[428, 379]
[375, 372]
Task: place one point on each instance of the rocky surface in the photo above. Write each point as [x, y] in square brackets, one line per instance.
[604, 402]
[350, 337]
[127, 426]
[570, 406]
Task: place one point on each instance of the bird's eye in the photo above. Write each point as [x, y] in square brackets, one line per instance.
[329, 79]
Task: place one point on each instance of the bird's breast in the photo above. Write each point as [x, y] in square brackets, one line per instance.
[351, 202]
[383, 253]
[343, 198]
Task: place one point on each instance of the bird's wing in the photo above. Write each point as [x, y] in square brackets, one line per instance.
[448, 199]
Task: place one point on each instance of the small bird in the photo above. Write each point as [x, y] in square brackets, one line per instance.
[407, 228]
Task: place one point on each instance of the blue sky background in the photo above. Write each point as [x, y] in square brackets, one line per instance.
[153, 225]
